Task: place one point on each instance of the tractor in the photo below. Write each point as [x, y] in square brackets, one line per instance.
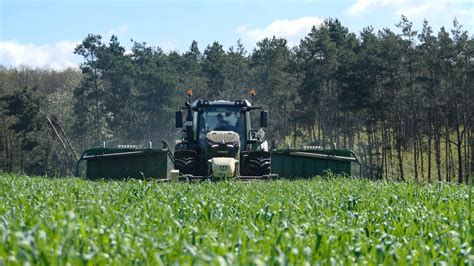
[216, 140]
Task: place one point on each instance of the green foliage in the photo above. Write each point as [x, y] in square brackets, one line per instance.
[334, 221]
[27, 97]
[213, 68]
[23, 105]
[22, 111]
[401, 100]
[271, 65]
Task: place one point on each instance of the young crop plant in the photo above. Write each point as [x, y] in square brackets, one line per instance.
[59, 221]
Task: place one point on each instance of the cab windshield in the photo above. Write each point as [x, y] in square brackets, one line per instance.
[221, 118]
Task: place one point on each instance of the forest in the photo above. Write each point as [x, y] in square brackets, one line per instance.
[401, 100]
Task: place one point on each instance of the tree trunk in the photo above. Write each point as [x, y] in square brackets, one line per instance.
[415, 159]
[429, 156]
[447, 149]
[420, 152]
[400, 161]
[384, 152]
[390, 140]
[471, 144]
[294, 136]
[363, 154]
[438, 155]
[459, 135]
[344, 139]
[6, 152]
[11, 152]
[451, 163]
[21, 156]
[314, 129]
[466, 154]
[379, 150]
[323, 137]
[319, 130]
[371, 159]
[285, 119]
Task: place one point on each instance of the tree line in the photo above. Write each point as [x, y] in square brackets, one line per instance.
[403, 101]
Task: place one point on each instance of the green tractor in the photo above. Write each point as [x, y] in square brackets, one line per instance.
[216, 140]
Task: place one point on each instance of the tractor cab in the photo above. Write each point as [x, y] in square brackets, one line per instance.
[220, 116]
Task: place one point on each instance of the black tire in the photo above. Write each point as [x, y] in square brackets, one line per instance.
[258, 166]
[185, 165]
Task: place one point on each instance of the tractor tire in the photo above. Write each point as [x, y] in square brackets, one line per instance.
[258, 166]
[185, 165]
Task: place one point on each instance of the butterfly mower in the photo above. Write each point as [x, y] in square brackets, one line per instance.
[216, 140]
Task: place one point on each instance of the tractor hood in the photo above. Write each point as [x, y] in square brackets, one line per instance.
[223, 137]
[222, 144]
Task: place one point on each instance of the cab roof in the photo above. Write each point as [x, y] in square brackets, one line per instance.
[204, 102]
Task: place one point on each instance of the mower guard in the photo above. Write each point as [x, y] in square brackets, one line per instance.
[118, 163]
[307, 163]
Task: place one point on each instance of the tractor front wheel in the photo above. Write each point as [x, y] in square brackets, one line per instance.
[256, 164]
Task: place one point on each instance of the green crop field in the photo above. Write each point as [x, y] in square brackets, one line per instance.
[54, 221]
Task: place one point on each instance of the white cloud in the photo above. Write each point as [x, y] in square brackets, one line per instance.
[439, 12]
[242, 28]
[118, 31]
[292, 30]
[57, 56]
[167, 46]
[411, 8]
[360, 6]
[422, 9]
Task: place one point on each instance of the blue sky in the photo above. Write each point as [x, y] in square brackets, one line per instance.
[44, 33]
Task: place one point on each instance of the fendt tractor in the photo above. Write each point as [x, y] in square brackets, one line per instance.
[216, 140]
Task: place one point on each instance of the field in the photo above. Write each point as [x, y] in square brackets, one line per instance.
[331, 221]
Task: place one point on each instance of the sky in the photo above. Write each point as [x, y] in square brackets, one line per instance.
[43, 33]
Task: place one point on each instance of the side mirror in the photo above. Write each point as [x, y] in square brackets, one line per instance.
[263, 119]
[179, 119]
